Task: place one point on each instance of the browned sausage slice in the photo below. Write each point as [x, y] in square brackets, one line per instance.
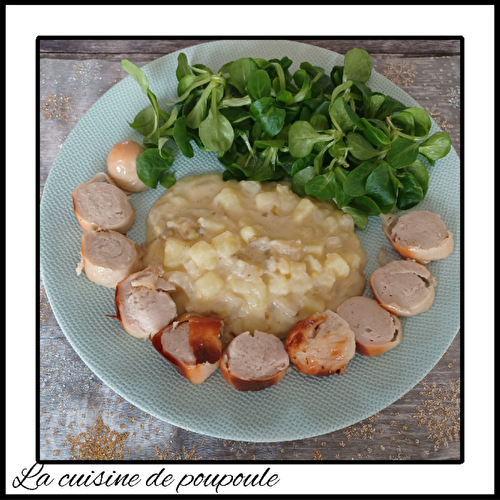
[192, 345]
[403, 287]
[376, 330]
[204, 338]
[321, 345]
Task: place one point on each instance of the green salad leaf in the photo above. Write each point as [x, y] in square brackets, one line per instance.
[325, 129]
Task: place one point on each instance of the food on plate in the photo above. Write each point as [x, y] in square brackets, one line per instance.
[254, 361]
[403, 287]
[375, 329]
[321, 345]
[122, 166]
[247, 251]
[419, 235]
[340, 140]
[108, 257]
[192, 345]
[143, 302]
[99, 204]
[253, 253]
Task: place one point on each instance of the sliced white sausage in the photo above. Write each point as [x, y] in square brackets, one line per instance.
[192, 345]
[122, 166]
[321, 345]
[143, 304]
[254, 361]
[419, 235]
[403, 287]
[108, 257]
[99, 204]
[376, 330]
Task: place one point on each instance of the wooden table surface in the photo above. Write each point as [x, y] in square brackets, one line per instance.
[422, 425]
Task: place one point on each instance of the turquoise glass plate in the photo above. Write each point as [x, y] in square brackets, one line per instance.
[299, 406]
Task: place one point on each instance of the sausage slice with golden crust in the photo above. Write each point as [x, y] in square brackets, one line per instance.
[376, 330]
[192, 344]
[321, 345]
[254, 361]
[403, 287]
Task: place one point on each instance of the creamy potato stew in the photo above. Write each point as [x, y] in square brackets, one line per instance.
[253, 253]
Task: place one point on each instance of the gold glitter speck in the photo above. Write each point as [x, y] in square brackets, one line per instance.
[441, 412]
[97, 443]
[367, 431]
[317, 455]
[351, 432]
[400, 73]
[441, 122]
[57, 107]
[86, 72]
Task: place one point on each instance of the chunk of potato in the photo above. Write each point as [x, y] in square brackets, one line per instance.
[291, 249]
[228, 199]
[325, 280]
[254, 292]
[287, 199]
[211, 225]
[182, 280]
[337, 264]
[248, 233]
[209, 286]
[332, 224]
[304, 208]
[317, 248]
[267, 201]
[175, 253]
[251, 187]
[226, 244]
[347, 222]
[301, 283]
[313, 264]
[283, 266]
[278, 284]
[297, 268]
[204, 255]
[285, 307]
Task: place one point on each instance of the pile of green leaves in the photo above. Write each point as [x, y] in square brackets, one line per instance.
[329, 132]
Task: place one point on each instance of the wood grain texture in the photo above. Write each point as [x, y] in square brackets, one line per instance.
[148, 50]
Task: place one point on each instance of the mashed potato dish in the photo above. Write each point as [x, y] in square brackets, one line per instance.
[253, 253]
